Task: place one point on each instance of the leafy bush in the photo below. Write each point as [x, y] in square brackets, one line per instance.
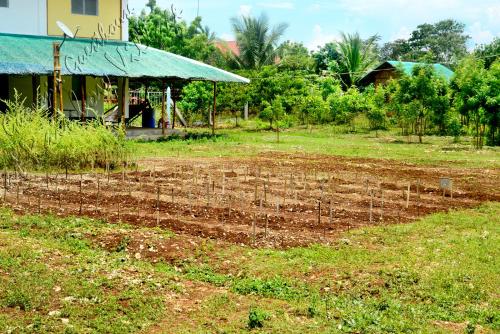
[257, 317]
[30, 140]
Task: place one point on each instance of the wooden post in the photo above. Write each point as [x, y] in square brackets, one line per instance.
[418, 196]
[319, 213]
[123, 101]
[382, 206]
[174, 111]
[138, 207]
[255, 194]
[84, 98]
[331, 213]
[97, 197]
[267, 224]
[158, 205]
[163, 110]
[17, 192]
[284, 195]
[408, 196]
[254, 223]
[371, 206]
[5, 185]
[208, 192]
[57, 95]
[215, 108]
[80, 195]
[39, 202]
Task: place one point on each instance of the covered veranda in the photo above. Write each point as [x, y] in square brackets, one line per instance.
[95, 72]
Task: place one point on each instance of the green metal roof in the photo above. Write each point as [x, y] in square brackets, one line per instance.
[408, 68]
[28, 55]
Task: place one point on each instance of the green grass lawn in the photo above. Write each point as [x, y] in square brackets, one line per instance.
[440, 274]
[330, 140]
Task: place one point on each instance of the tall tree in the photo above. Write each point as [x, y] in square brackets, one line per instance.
[445, 39]
[295, 57]
[324, 56]
[356, 57]
[489, 52]
[164, 29]
[420, 97]
[257, 41]
[396, 50]
[442, 42]
[477, 97]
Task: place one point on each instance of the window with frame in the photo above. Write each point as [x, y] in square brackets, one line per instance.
[4, 3]
[84, 7]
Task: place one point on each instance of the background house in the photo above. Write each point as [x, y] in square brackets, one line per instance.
[390, 70]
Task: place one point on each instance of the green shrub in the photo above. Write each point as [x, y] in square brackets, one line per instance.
[257, 317]
[31, 140]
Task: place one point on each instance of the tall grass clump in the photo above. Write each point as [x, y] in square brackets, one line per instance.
[31, 140]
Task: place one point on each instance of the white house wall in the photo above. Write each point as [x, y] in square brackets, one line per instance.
[27, 17]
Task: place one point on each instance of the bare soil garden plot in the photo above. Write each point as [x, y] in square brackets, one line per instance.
[273, 200]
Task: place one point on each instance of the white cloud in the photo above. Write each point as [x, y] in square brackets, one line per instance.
[227, 37]
[315, 7]
[403, 33]
[493, 13]
[320, 38]
[245, 10]
[277, 5]
[480, 35]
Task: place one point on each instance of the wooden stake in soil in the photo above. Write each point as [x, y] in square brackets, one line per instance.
[39, 202]
[371, 206]
[382, 205]
[267, 224]
[80, 195]
[98, 193]
[158, 206]
[17, 193]
[319, 213]
[284, 194]
[408, 196]
[255, 193]
[265, 192]
[208, 193]
[138, 208]
[107, 170]
[119, 213]
[331, 216]
[418, 196]
[5, 185]
[254, 223]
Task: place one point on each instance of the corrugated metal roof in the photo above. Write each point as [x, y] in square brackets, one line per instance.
[408, 68]
[27, 55]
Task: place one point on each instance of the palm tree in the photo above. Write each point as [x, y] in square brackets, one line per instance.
[356, 57]
[257, 41]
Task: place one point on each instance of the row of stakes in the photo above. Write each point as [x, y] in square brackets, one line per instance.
[371, 192]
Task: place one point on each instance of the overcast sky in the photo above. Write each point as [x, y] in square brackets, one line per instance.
[315, 22]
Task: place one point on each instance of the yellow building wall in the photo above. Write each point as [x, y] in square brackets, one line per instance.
[106, 25]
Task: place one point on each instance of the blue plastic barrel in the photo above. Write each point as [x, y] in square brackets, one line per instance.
[148, 119]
